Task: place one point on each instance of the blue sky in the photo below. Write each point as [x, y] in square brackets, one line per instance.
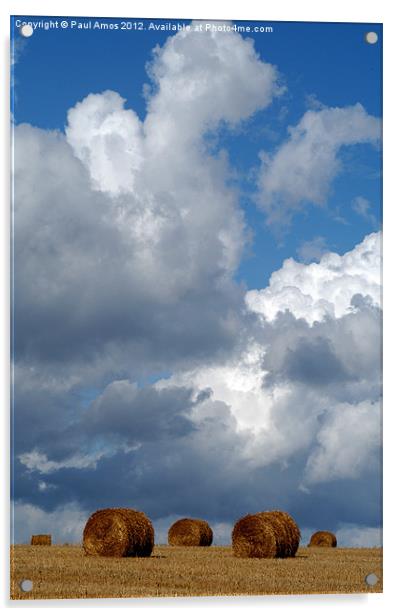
[197, 276]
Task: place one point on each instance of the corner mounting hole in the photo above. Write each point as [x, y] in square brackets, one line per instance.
[371, 579]
[26, 585]
[26, 30]
[371, 38]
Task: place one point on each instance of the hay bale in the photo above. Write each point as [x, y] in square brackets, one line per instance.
[323, 539]
[253, 537]
[40, 540]
[190, 532]
[267, 534]
[288, 530]
[118, 532]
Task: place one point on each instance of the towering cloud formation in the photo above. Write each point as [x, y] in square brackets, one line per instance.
[199, 80]
[311, 367]
[137, 245]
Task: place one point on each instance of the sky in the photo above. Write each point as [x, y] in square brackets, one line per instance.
[196, 275]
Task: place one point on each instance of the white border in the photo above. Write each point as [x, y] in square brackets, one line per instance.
[275, 10]
[289, 10]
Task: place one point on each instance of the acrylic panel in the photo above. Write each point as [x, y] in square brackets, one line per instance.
[196, 307]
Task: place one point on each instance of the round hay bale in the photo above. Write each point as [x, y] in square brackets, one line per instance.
[323, 539]
[119, 533]
[40, 540]
[253, 537]
[288, 534]
[267, 534]
[190, 532]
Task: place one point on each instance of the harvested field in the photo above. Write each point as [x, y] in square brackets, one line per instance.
[64, 572]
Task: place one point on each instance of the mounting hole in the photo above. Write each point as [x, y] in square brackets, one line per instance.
[371, 38]
[371, 579]
[26, 30]
[26, 585]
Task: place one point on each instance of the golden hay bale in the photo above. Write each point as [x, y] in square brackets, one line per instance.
[253, 537]
[190, 532]
[289, 533]
[40, 540]
[323, 539]
[267, 534]
[118, 532]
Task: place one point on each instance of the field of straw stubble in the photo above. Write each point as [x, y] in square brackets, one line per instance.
[65, 572]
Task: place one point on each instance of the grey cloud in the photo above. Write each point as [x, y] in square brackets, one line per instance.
[313, 362]
[86, 288]
[123, 415]
[138, 415]
[192, 460]
[332, 354]
[164, 481]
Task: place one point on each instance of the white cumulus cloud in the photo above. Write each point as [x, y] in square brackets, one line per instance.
[314, 291]
[307, 379]
[201, 79]
[303, 168]
[348, 442]
[108, 139]
[198, 81]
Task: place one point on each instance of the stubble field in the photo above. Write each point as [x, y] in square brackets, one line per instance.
[64, 572]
